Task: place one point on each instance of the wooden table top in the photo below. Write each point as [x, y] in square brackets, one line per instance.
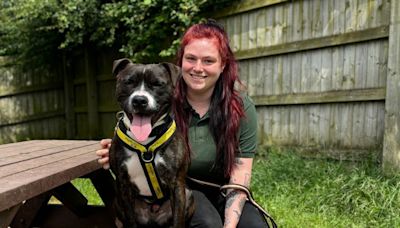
[30, 168]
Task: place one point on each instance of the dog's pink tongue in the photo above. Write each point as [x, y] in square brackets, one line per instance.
[141, 127]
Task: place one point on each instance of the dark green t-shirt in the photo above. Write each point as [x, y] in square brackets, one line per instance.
[204, 148]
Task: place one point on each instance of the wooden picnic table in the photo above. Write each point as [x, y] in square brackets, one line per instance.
[33, 171]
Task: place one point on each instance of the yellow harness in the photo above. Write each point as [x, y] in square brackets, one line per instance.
[147, 152]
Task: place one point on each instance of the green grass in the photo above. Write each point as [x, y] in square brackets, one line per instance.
[87, 189]
[301, 192]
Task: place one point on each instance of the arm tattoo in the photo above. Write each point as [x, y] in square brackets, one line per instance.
[238, 161]
[242, 202]
[237, 214]
[237, 210]
[230, 198]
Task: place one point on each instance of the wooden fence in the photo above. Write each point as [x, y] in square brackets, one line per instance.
[75, 101]
[90, 93]
[31, 104]
[322, 73]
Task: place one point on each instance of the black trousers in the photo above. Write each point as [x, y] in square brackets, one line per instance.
[210, 209]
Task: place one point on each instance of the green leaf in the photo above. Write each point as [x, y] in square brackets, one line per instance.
[146, 30]
[147, 2]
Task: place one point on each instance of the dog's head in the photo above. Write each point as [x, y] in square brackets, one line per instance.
[144, 92]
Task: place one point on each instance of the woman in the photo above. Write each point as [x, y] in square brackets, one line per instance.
[220, 128]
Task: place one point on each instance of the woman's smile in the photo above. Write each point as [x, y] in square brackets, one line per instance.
[201, 65]
[196, 76]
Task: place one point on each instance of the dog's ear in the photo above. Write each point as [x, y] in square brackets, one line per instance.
[119, 65]
[173, 70]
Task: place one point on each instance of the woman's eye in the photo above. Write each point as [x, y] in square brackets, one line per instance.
[190, 58]
[208, 61]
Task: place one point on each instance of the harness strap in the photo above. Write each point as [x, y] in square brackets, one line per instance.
[146, 153]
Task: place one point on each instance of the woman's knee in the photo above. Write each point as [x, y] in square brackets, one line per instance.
[208, 222]
[205, 214]
[251, 218]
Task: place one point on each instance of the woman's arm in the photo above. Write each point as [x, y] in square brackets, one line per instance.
[235, 199]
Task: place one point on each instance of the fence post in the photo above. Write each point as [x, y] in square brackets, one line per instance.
[391, 141]
[92, 100]
[69, 99]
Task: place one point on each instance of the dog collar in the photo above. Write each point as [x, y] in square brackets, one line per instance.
[162, 137]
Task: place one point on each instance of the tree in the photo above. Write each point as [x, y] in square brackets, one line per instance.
[145, 30]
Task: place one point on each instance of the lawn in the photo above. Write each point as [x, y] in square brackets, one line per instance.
[300, 192]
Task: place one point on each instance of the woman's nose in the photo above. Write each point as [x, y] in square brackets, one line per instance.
[198, 67]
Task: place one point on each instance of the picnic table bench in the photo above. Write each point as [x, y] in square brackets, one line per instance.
[33, 171]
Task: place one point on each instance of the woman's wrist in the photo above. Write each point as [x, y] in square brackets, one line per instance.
[235, 200]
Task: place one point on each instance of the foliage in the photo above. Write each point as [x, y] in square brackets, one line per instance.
[141, 29]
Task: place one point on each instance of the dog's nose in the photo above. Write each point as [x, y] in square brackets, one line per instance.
[140, 101]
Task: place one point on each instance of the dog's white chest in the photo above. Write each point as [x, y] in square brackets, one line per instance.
[136, 172]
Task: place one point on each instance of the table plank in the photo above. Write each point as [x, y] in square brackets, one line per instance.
[22, 148]
[24, 162]
[22, 143]
[23, 185]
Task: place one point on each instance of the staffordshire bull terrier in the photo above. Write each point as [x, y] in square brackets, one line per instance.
[147, 154]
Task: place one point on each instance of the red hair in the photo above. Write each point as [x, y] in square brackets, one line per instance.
[226, 108]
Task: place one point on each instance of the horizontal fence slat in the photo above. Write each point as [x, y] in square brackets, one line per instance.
[79, 81]
[322, 42]
[244, 6]
[321, 97]
[30, 89]
[103, 108]
[100, 78]
[35, 117]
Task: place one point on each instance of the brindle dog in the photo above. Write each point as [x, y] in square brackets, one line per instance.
[147, 198]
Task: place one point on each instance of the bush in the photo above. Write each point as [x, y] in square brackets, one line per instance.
[144, 30]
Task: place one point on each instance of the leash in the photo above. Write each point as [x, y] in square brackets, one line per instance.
[242, 188]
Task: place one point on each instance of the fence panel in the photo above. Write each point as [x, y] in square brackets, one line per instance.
[31, 104]
[317, 71]
[93, 92]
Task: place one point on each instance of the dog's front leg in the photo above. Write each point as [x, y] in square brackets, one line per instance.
[178, 203]
[126, 205]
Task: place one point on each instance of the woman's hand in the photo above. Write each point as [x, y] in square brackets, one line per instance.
[103, 153]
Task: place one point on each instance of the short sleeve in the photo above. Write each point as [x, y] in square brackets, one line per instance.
[248, 129]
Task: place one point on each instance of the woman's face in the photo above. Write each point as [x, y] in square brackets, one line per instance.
[201, 66]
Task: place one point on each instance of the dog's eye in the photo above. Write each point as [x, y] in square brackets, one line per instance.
[158, 83]
[129, 81]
